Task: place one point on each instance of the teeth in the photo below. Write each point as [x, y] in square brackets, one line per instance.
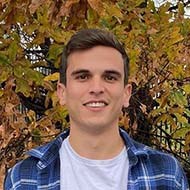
[96, 104]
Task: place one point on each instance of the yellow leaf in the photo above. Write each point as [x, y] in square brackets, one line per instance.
[54, 99]
[48, 85]
[60, 36]
[52, 77]
[31, 115]
[157, 112]
[175, 36]
[178, 71]
[186, 88]
[164, 99]
[181, 118]
[171, 121]
[161, 118]
[187, 140]
[174, 110]
[112, 10]
[1, 92]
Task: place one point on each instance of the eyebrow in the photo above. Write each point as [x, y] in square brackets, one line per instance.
[114, 72]
[79, 71]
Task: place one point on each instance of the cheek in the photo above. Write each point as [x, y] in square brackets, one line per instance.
[74, 92]
[118, 92]
[118, 96]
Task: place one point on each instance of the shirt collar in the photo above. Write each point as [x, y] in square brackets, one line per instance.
[134, 148]
[48, 153]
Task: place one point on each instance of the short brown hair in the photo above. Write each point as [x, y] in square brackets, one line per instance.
[88, 38]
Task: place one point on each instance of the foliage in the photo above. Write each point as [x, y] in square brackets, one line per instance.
[32, 37]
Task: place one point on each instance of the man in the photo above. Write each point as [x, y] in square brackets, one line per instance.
[95, 154]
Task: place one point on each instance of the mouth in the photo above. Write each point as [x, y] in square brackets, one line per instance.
[96, 104]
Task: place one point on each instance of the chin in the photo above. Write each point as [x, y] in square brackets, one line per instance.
[98, 126]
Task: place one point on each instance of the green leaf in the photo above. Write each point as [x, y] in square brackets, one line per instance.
[157, 112]
[104, 23]
[19, 71]
[60, 36]
[139, 2]
[92, 17]
[33, 75]
[185, 27]
[23, 87]
[181, 10]
[187, 112]
[62, 110]
[4, 59]
[180, 133]
[12, 51]
[4, 76]
[36, 136]
[151, 6]
[177, 98]
[54, 51]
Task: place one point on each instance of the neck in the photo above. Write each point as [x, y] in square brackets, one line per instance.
[100, 146]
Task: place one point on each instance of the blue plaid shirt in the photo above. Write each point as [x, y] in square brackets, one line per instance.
[148, 169]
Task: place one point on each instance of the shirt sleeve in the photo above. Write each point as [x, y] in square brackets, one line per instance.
[7, 181]
[181, 178]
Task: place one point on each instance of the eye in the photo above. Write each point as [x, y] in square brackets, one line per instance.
[110, 78]
[82, 77]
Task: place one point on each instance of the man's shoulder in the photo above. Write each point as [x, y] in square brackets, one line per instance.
[153, 158]
[25, 169]
[159, 163]
[161, 158]
[158, 157]
[139, 148]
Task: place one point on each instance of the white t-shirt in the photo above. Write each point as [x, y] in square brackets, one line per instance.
[79, 173]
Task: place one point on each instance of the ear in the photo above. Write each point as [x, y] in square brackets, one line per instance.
[61, 93]
[127, 95]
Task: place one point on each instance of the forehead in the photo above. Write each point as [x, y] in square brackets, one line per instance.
[98, 57]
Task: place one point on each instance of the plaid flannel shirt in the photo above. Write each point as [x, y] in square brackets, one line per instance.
[148, 169]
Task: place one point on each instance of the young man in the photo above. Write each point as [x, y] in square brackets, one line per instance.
[95, 154]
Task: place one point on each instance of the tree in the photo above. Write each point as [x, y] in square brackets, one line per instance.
[32, 37]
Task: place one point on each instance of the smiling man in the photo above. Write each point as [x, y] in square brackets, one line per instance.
[95, 154]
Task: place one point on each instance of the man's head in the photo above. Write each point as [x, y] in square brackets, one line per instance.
[93, 82]
[89, 38]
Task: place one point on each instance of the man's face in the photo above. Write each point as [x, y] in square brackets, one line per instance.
[95, 93]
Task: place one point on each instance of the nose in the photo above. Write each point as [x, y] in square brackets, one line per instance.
[96, 86]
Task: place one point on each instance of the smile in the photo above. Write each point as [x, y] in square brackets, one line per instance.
[98, 104]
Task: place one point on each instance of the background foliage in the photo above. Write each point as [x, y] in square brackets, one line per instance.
[32, 37]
